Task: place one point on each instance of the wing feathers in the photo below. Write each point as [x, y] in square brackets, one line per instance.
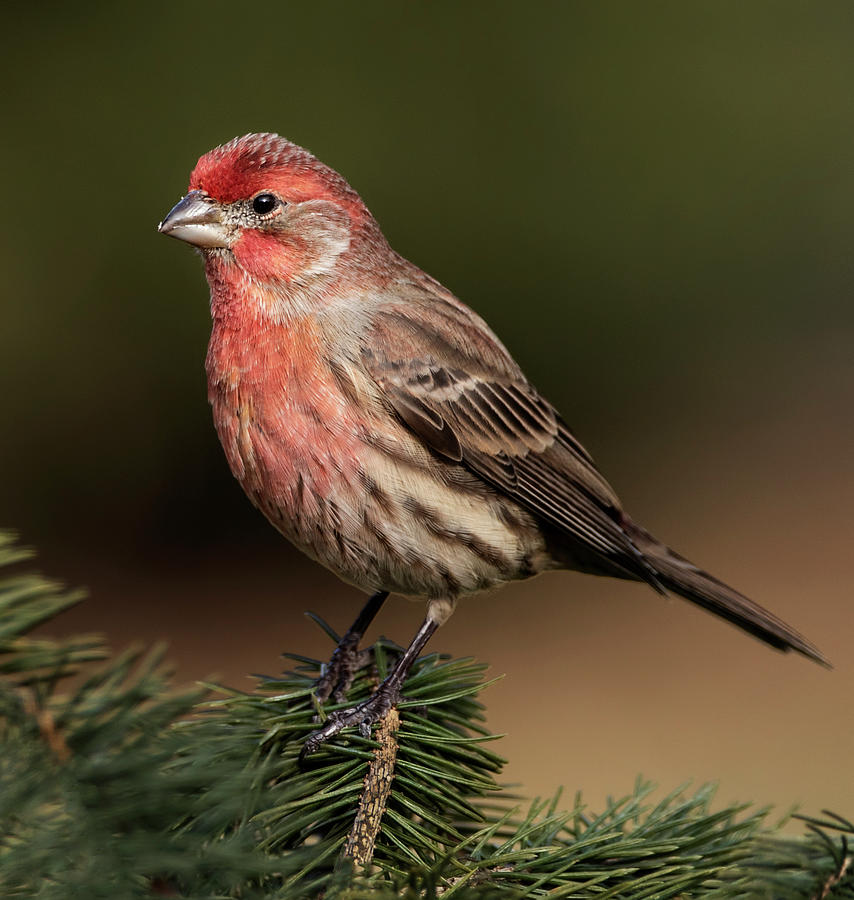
[429, 424]
[453, 383]
[494, 422]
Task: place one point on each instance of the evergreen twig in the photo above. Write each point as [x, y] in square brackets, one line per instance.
[116, 785]
[375, 793]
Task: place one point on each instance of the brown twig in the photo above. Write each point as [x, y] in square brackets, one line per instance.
[374, 797]
[46, 724]
[834, 879]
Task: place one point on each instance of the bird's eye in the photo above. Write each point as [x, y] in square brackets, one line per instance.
[265, 203]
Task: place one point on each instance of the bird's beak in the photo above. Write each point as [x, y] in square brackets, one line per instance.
[197, 220]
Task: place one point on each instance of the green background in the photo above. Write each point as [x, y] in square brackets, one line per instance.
[652, 204]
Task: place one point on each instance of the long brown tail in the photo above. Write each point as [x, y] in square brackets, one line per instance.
[677, 574]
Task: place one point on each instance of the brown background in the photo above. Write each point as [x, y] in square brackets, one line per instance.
[653, 207]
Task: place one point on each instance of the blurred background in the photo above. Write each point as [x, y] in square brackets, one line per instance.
[652, 204]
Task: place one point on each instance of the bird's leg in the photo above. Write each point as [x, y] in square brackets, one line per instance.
[380, 702]
[338, 674]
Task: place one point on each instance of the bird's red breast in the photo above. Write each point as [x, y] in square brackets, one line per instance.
[277, 407]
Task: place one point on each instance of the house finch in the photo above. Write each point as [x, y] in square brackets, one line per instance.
[381, 426]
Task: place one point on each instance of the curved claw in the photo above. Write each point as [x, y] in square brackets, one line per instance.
[380, 702]
[338, 674]
[364, 715]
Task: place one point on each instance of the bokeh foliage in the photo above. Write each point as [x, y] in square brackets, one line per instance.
[121, 786]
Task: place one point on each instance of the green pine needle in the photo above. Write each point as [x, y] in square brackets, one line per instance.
[119, 786]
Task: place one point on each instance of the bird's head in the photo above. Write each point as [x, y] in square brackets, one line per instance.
[274, 211]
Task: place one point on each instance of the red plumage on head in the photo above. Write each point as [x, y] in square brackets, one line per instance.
[256, 162]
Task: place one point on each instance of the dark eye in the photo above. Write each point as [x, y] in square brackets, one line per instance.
[265, 203]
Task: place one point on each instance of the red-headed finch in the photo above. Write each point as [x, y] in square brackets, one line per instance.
[381, 426]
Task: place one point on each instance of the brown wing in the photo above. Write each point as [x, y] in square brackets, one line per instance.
[453, 383]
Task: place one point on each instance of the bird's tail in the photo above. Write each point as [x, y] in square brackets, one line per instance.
[677, 574]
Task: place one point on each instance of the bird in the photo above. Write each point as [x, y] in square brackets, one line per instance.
[383, 428]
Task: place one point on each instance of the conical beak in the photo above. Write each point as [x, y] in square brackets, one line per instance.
[197, 220]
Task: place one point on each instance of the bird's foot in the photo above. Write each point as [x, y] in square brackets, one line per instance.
[338, 674]
[364, 715]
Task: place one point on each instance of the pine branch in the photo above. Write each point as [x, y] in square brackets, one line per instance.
[374, 797]
[121, 786]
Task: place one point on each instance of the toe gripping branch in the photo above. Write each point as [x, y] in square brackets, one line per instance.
[338, 674]
[384, 698]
